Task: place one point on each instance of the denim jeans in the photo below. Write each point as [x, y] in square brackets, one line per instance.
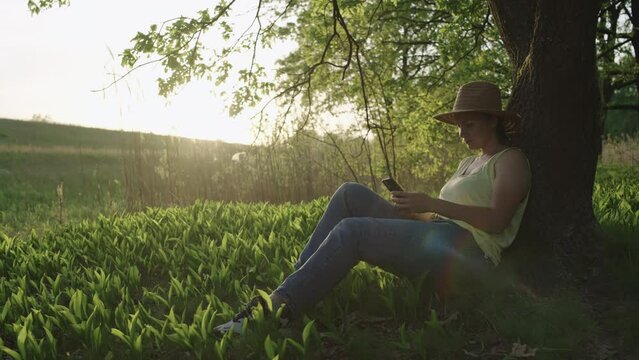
[358, 224]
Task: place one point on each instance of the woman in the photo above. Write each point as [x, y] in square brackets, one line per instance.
[476, 215]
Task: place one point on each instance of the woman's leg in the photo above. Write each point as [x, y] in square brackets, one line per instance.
[404, 247]
[349, 200]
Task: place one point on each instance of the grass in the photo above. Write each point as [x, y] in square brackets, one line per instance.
[26, 134]
[152, 284]
[28, 190]
[621, 150]
[622, 263]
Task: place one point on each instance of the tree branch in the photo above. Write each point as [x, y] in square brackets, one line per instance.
[409, 43]
[622, 84]
[476, 44]
[623, 107]
[333, 144]
[195, 34]
[257, 35]
[515, 20]
[613, 48]
[615, 34]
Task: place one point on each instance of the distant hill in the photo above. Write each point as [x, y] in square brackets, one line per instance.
[100, 171]
[33, 133]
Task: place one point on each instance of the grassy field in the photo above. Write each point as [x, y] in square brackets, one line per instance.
[47, 135]
[152, 284]
[37, 158]
[54, 174]
[29, 197]
[107, 172]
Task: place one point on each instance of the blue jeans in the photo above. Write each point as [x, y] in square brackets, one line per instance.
[358, 224]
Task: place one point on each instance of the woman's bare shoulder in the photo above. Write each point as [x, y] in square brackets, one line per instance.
[513, 160]
[515, 154]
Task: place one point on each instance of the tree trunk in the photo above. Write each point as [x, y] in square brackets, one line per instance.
[635, 37]
[552, 47]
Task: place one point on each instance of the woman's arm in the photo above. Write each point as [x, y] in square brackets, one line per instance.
[512, 181]
[484, 218]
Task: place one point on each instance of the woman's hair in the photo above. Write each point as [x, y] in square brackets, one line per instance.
[502, 136]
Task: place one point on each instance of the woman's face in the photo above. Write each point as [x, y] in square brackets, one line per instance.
[476, 129]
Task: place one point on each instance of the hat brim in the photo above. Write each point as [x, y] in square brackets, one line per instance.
[511, 120]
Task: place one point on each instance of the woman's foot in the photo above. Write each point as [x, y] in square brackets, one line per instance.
[237, 322]
[234, 325]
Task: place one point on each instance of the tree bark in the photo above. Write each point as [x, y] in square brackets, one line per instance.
[634, 17]
[555, 90]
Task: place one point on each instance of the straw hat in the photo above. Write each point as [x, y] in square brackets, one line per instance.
[482, 97]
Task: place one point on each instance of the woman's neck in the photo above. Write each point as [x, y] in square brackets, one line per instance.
[492, 149]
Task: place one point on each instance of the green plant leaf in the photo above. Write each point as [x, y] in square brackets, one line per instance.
[270, 347]
[120, 335]
[22, 339]
[14, 354]
[306, 333]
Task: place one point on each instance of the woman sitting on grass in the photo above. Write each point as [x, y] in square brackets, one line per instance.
[477, 214]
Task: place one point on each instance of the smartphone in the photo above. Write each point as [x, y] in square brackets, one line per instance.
[391, 184]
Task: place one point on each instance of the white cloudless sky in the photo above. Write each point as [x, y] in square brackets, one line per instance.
[50, 62]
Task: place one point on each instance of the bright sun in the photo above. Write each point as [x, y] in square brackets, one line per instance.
[57, 58]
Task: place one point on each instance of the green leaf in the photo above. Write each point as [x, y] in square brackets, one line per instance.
[50, 336]
[14, 354]
[296, 345]
[264, 295]
[120, 335]
[137, 346]
[5, 310]
[96, 337]
[307, 331]
[270, 347]
[133, 320]
[21, 341]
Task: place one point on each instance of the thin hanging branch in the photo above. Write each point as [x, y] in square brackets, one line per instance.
[195, 35]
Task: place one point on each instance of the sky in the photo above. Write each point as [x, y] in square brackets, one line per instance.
[51, 62]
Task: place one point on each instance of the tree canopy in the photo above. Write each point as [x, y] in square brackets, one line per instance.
[393, 63]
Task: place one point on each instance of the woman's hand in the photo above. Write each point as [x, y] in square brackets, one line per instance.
[412, 202]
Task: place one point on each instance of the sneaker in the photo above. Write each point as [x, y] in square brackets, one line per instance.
[233, 325]
[237, 322]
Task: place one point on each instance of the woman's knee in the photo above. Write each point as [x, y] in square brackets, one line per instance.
[350, 187]
[354, 191]
[347, 230]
